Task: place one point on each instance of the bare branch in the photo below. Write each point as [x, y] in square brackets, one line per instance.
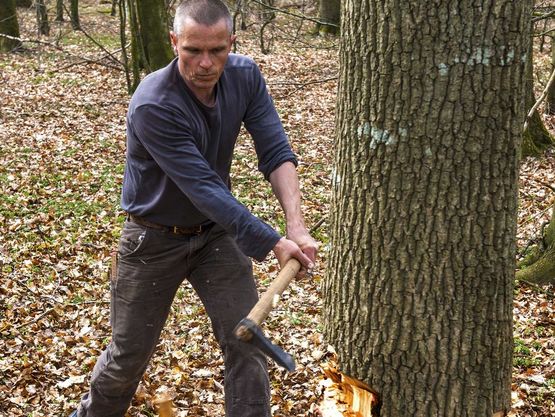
[59, 48]
[300, 16]
[542, 97]
[543, 16]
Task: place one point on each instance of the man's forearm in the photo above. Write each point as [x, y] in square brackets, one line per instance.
[285, 184]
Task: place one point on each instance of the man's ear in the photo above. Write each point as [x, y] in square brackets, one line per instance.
[232, 39]
[173, 38]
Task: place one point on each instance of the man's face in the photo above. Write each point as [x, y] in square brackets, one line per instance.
[202, 52]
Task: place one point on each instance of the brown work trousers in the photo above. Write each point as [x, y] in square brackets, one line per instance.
[152, 265]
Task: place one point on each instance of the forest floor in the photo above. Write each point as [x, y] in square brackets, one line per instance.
[62, 148]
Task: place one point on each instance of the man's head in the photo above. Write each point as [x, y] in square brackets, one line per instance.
[202, 40]
[205, 12]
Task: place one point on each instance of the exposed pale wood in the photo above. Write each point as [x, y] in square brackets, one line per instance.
[346, 396]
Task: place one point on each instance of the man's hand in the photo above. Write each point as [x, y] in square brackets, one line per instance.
[305, 242]
[286, 249]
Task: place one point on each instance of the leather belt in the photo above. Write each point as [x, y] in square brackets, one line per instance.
[178, 230]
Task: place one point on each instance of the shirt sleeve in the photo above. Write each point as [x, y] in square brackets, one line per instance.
[263, 123]
[168, 139]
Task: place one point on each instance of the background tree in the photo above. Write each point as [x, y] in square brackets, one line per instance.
[150, 42]
[536, 136]
[74, 14]
[153, 27]
[551, 92]
[329, 12]
[24, 3]
[43, 26]
[59, 10]
[418, 291]
[539, 265]
[8, 26]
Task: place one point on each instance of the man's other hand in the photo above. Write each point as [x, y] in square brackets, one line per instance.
[286, 249]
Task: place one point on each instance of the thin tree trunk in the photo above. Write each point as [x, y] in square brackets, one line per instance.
[114, 7]
[74, 14]
[551, 91]
[43, 26]
[418, 291]
[123, 39]
[138, 60]
[9, 26]
[24, 3]
[329, 15]
[59, 10]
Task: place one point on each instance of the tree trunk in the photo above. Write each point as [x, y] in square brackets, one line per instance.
[43, 26]
[114, 7]
[329, 13]
[9, 26]
[541, 269]
[536, 137]
[418, 291]
[154, 33]
[74, 14]
[24, 3]
[137, 57]
[59, 10]
[551, 92]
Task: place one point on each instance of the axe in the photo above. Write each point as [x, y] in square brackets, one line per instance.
[248, 330]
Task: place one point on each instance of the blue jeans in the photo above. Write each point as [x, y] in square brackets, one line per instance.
[152, 264]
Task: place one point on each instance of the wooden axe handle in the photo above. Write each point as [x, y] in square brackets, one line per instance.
[263, 307]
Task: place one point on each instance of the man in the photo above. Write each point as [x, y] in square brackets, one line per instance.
[183, 222]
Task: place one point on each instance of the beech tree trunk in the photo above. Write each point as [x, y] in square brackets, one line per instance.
[9, 26]
[419, 287]
[329, 13]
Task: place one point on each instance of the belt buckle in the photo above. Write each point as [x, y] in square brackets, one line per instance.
[197, 230]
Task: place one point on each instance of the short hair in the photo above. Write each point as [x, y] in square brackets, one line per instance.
[205, 12]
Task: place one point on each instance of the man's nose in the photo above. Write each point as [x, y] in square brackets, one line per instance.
[205, 61]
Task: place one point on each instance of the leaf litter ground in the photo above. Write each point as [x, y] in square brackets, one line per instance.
[62, 130]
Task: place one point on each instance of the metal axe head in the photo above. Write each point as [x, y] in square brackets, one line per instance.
[249, 332]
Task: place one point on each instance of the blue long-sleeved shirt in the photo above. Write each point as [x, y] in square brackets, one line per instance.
[179, 151]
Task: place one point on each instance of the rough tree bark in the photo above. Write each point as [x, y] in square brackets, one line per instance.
[9, 26]
[536, 137]
[329, 12]
[418, 291]
[539, 266]
[43, 26]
